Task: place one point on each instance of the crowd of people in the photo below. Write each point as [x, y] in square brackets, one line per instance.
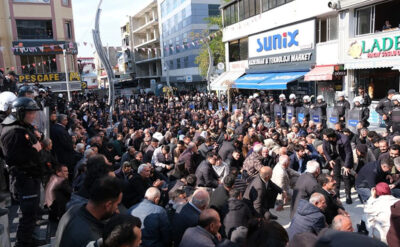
[184, 171]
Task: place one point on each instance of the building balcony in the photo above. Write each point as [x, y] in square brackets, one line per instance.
[146, 59]
[144, 42]
[146, 76]
[144, 27]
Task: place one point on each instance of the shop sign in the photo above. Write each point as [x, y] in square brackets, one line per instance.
[50, 77]
[375, 47]
[300, 57]
[291, 38]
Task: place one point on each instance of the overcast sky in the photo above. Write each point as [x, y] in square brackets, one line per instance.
[114, 13]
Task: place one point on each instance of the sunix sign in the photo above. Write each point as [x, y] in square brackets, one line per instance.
[293, 38]
[278, 41]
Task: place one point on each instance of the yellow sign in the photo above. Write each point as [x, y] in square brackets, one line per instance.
[83, 85]
[50, 77]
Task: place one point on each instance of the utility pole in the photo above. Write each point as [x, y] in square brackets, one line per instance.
[66, 74]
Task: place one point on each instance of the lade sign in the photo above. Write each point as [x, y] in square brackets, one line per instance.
[287, 39]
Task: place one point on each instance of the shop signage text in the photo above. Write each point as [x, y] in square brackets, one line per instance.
[300, 57]
[375, 47]
[50, 77]
[293, 38]
[278, 41]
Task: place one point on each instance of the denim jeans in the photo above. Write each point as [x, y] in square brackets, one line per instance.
[364, 194]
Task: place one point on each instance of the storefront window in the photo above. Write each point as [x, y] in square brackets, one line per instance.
[377, 81]
[365, 18]
[34, 29]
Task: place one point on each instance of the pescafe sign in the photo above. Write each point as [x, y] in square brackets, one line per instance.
[287, 39]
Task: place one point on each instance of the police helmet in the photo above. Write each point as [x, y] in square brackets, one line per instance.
[358, 99]
[320, 97]
[255, 95]
[6, 100]
[306, 98]
[292, 96]
[394, 97]
[60, 95]
[24, 90]
[282, 96]
[22, 105]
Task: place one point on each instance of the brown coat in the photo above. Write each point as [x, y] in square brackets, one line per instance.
[393, 235]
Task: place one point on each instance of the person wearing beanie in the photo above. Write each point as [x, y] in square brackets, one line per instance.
[377, 211]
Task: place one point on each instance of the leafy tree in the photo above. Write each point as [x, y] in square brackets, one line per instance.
[213, 36]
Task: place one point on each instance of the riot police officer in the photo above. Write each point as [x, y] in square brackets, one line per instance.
[360, 105]
[385, 106]
[293, 101]
[26, 91]
[306, 107]
[21, 151]
[321, 106]
[341, 105]
[395, 114]
[280, 108]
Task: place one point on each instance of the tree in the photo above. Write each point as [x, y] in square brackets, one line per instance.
[213, 36]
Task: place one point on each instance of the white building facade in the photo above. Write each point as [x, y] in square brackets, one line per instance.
[312, 47]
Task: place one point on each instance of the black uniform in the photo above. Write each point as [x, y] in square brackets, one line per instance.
[384, 107]
[323, 105]
[364, 115]
[17, 142]
[367, 100]
[341, 106]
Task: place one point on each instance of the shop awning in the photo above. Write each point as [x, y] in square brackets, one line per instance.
[320, 73]
[267, 81]
[372, 64]
[222, 81]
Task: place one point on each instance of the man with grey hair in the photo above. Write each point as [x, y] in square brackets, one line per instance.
[187, 157]
[342, 223]
[188, 215]
[137, 186]
[63, 146]
[309, 216]
[154, 218]
[285, 177]
[305, 185]
[253, 163]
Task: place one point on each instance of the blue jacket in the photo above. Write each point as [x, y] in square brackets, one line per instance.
[308, 218]
[155, 223]
[295, 163]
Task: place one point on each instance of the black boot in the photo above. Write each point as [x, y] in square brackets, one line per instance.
[348, 199]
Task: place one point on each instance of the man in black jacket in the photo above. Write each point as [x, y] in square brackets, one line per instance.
[138, 184]
[339, 155]
[385, 107]
[372, 174]
[220, 196]
[84, 223]
[261, 194]
[62, 142]
[333, 205]
[206, 175]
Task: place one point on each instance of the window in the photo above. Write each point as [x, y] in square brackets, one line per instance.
[238, 50]
[31, 1]
[68, 30]
[327, 29]
[213, 10]
[65, 2]
[34, 29]
[241, 10]
[186, 62]
[178, 63]
[270, 4]
[365, 20]
[43, 64]
[231, 14]
[171, 64]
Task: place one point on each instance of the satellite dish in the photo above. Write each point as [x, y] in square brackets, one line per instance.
[221, 66]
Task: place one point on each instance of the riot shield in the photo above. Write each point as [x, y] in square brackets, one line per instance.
[234, 107]
[316, 115]
[333, 117]
[210, 106]
[278, 110]
[353, 117]
[290, 113]
[219, 107]
[191, 105]
[301, 114]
